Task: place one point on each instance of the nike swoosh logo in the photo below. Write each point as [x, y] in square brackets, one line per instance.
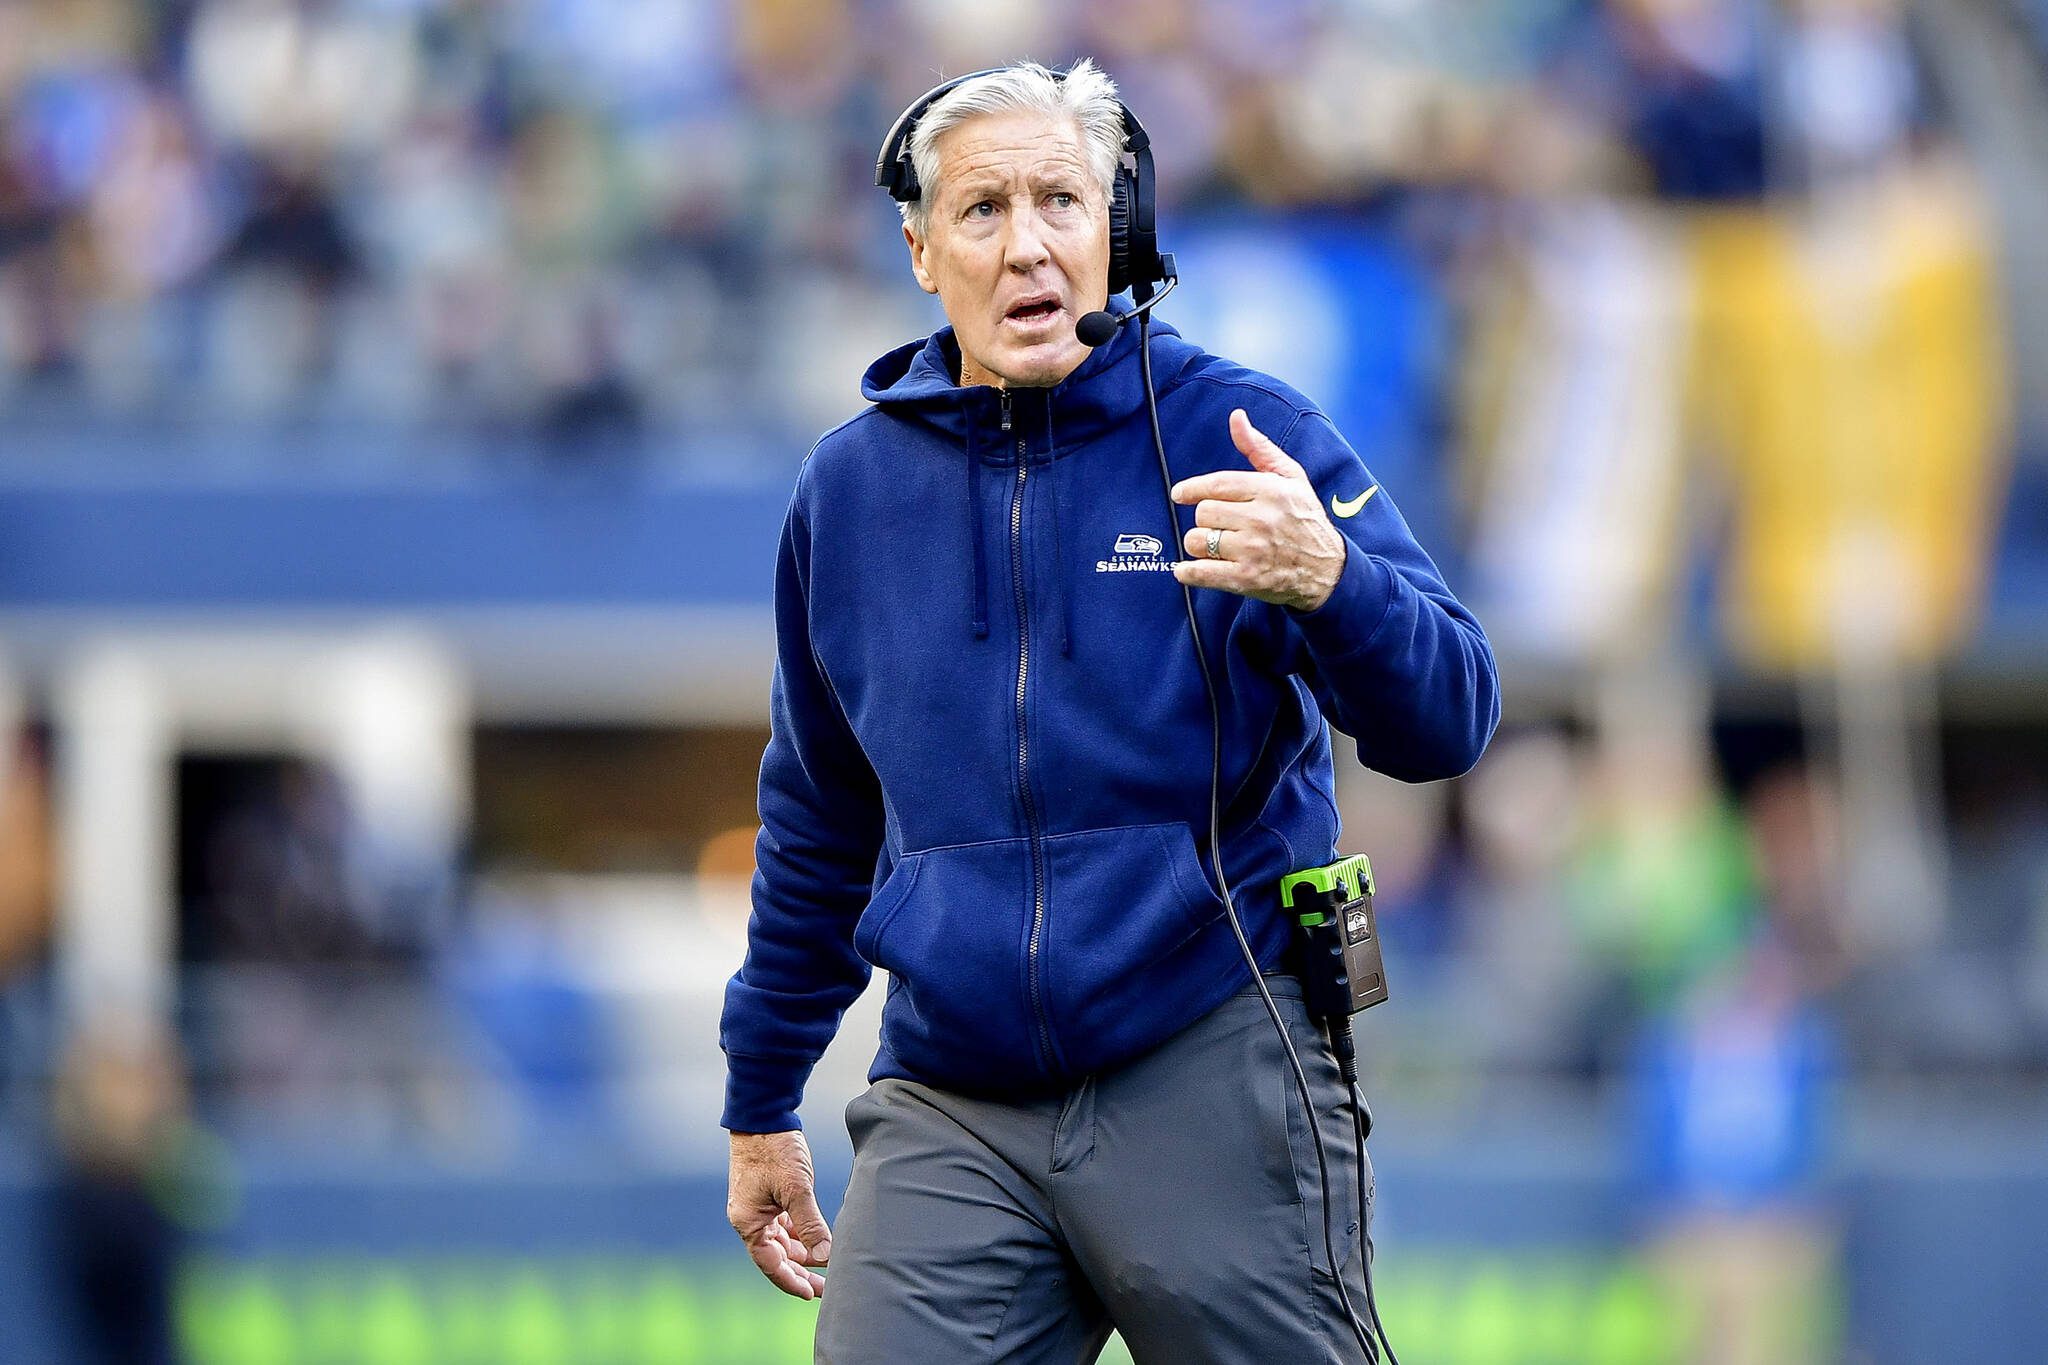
[1350, 509]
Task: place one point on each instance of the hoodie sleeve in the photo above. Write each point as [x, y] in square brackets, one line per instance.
[821, 833]
[1393, 658]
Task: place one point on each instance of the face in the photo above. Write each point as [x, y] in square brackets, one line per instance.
[1017, 246]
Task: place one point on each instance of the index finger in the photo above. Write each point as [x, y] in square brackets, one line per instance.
[1226, 485]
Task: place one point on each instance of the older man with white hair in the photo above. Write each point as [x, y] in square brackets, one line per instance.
[994, 770]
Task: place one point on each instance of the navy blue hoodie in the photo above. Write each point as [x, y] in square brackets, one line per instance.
[989, 763]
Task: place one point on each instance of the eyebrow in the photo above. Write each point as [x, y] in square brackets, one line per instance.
[982, 185]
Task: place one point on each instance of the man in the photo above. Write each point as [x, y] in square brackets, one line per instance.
[989, 773]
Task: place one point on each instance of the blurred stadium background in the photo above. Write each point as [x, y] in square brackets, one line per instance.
[398, 400]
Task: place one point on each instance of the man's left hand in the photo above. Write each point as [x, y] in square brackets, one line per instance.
[1277, 544]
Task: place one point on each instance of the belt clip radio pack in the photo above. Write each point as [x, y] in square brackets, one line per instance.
[1342, 971]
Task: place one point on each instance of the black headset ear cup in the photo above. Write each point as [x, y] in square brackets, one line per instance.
[1120, 233]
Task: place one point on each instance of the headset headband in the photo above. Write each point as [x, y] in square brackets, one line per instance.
[894, 170]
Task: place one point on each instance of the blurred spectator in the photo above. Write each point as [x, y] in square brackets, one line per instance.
[1694, 78]
[1663, 887]
[1526, 811]
[27, 897]
[119, 1107]
[292, 879]
[281, 274]
[1733, 1088]
[25, 854]
[314, 952]
[1795, 836]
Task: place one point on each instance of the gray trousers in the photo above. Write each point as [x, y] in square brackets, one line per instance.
[1175, 1199]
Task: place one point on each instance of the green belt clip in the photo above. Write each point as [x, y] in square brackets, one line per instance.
[1333, 884]
[1343, 971]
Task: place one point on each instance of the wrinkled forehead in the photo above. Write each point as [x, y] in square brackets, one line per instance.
[1009, 149]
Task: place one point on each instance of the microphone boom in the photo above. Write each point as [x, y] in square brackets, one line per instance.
[1095, 328]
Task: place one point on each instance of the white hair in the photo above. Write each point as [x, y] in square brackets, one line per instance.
[1086, 95]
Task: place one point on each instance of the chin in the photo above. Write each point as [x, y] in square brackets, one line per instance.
[1044, 365]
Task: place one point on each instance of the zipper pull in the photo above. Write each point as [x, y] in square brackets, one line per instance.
[1006, 407]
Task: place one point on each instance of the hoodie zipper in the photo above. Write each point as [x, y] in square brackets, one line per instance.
[1024, 741]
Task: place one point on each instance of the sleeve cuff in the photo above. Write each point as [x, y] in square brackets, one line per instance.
[761, 1095]
[1351, 615]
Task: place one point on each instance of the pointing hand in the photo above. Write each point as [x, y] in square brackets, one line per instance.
[1276, 542]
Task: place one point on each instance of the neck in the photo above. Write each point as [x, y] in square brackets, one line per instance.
[971, 374]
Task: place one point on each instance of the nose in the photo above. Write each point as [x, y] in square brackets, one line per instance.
[1024, 249]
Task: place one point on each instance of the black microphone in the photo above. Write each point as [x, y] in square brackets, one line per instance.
[1095, 328]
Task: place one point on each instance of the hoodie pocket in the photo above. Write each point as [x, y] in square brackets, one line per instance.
[1124, 951]
[950, 925]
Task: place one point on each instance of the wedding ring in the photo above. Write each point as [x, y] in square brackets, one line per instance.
[1215, 542]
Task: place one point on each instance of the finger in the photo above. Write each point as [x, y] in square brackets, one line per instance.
[811, 1229]
[782, 1272]
[783, 1231]
[1233, 545]
[1213, 573]
[787, 1240]
[1226, 516]
[1233, 485]
[1261, 449]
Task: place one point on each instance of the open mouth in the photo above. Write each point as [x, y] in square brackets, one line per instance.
[1033, 312]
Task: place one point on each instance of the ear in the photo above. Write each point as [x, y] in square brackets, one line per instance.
[924, 277]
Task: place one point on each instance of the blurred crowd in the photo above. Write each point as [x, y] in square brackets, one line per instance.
[589, 223]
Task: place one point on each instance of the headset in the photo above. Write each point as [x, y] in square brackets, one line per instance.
[1137, 264]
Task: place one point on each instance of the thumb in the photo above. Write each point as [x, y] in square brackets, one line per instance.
[1261, 449]
[810, 1227]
